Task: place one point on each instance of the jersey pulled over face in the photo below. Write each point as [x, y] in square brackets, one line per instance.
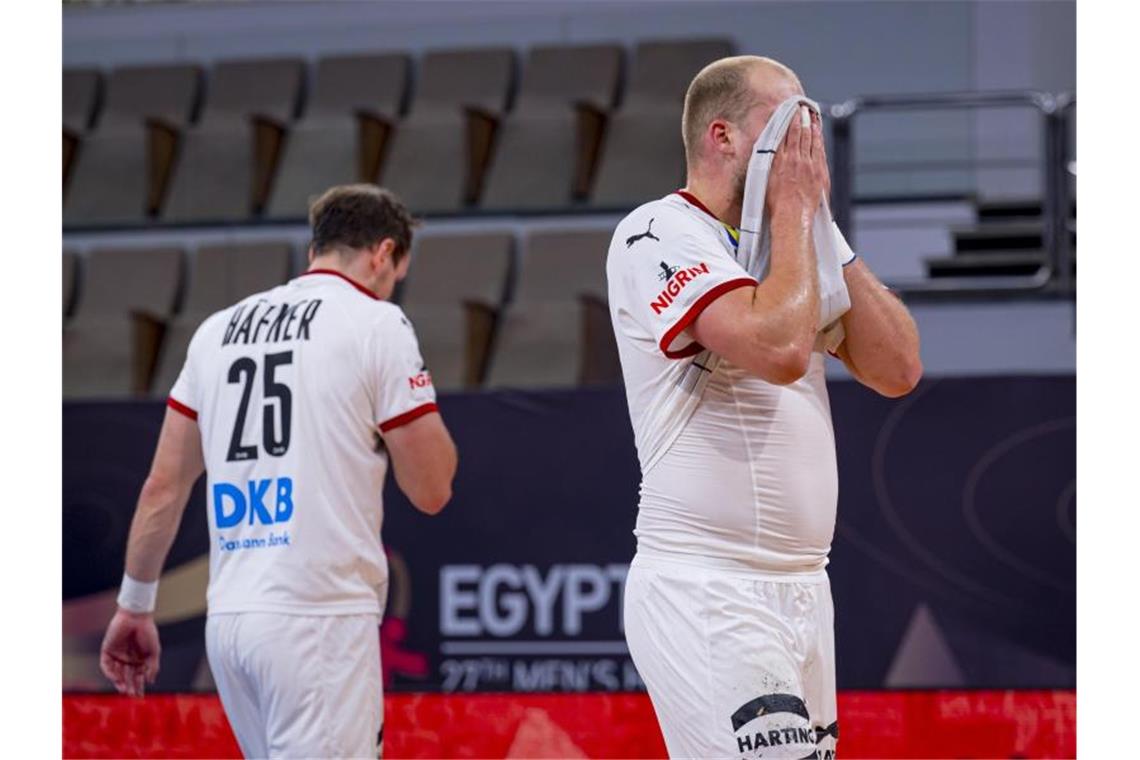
[292, 389]
[746, 475]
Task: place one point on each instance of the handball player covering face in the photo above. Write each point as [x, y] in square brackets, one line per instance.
[728, 611]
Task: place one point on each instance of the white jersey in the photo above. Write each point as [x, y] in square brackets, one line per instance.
[746, 476]
[292, 389]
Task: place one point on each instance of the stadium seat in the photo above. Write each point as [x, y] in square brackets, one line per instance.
[452, 295]
[70, 276]
[643, 157]
[440, 151]
[80, 99]
[547, 145]
[109, 345]
[226, 161]
[122, 165]
[220, 275]
[355, 101]
[555, 331]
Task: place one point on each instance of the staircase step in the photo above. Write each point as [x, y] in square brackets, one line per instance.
[1001, 236]
[1004, 264]
[1011, 209]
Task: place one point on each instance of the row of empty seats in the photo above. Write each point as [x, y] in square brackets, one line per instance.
[488, 311]
[571, 125]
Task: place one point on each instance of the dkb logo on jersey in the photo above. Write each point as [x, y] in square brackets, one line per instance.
[232, 503]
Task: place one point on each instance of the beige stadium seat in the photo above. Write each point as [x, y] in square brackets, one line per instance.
[354, 102]
[80, 100]
[545, 145]
[439, 152]
[220, 275]
[70, 277]
[226, 161]
[643, 157]
[107, 351]
[116, 171]
[452, 294]
[556, 332]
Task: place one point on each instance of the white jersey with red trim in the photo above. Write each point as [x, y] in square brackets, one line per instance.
[292, 390]
[735, 470]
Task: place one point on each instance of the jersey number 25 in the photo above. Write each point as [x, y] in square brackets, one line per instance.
[244, 371]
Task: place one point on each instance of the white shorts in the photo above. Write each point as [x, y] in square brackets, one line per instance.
[299, 686]
[737, 664]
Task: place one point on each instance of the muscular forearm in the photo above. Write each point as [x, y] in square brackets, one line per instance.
[786, 304]
[881, 347]
[153, 529]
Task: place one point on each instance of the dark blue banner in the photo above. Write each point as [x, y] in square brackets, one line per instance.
[954, 562]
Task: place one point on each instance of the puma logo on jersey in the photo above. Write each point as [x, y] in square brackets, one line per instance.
[629, 241]
[678, 280]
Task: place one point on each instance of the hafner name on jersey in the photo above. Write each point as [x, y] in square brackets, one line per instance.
[263, 321]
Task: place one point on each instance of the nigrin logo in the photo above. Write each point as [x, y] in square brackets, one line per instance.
[678, 279]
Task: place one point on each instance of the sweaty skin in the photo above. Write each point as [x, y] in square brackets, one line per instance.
[770, 329]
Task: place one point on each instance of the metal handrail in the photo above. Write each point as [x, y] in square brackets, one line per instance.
[1055, 197]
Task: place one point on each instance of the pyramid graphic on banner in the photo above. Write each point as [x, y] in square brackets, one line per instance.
[924, 658]
[539, 735]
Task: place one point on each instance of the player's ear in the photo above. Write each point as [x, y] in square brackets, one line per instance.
[379, 253]
[720, 135]
[387, 252]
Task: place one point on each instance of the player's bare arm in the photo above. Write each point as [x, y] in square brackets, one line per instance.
[130, 652]
[770, 329]
[881, 349]
[424, 460]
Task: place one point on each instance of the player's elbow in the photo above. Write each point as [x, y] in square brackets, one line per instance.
[431, 500]
[159, 488]
[787, 364]
[903, 380]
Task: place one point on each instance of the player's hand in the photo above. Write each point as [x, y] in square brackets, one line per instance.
[799, 172]
[129, 656]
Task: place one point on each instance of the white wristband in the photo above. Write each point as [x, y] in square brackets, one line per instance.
[136, 596]
[846, 255]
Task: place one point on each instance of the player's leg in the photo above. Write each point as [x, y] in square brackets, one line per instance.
[354, 695]
[238, 693]
[819, 676]
[663, 615]
[757, 641]
[320, 684]
[720, 661]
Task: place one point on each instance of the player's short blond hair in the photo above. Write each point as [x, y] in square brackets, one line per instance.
[722, 90]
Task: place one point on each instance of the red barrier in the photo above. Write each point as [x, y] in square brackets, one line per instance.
[881, 724]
